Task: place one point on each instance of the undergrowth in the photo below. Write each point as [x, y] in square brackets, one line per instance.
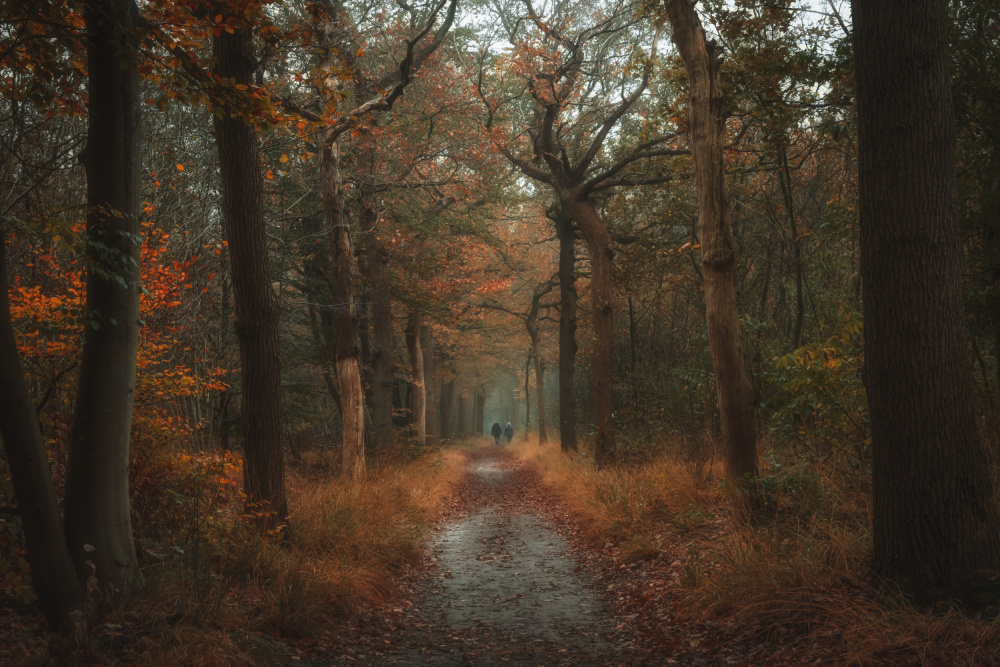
[217, 592]
[795, 572]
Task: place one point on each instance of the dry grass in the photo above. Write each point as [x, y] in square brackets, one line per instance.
[795, 575]
[344, 545]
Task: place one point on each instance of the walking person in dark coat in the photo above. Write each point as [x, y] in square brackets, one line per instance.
[496, 431]
[509, 431]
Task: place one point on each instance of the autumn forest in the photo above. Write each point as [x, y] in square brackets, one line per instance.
[499, 331]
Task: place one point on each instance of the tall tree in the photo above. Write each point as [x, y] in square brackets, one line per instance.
[431, 392]
[735, 392]
[562, 144]
[377, 270]
[256, 308]
[414, 324]
[98, 519]
[52, 573]
[935, 519]
[333, 30]
[530, 319]
[566, 233]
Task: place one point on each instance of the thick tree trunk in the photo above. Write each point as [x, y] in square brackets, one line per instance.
[718, 248]
[567, 332]
[98, 520]
[345, 311]
[935, 517]
[52, 573]
[430, 382]
[601, 256]
[536, 355]
[418, 410]
[256, 312]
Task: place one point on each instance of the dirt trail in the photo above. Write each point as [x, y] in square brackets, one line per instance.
[503, 586]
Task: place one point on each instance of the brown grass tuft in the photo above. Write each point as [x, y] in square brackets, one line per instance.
[219, 593]
[794, 575]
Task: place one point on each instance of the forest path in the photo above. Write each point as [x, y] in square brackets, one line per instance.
[502, 586]
[505, 587]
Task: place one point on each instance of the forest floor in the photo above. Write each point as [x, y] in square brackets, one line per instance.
[509, 580]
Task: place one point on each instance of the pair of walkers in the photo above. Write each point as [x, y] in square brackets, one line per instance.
[508, 431]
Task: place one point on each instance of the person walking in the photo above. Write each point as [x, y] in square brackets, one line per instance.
[496, 431]
[509, 431]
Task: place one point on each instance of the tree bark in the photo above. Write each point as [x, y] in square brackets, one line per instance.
[718, 248]
[567, 332]
[462, 415]
[478, 427]
[418, 410]
[98, 520]
[52, 573]
[447, 402]
[430, 381]
[256, 311]
[785, 183]
[601, 257]
[527, 392]
[345, 311]
[536, 354]
[381, 305]
[935, 520]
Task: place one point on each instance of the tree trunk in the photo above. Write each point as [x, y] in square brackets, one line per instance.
[478, 427]
[418, 411]
[601, 257]
[345, 311]
[447, 401]
[567, 332]
[98, 520]
[536, 355]
[527, 392]
[52, 573]
[430, 381]
[381, 307]
[718, 248]
[935, 520]
[256, 312]
[785, 182]
[633, 351]
[462, 415]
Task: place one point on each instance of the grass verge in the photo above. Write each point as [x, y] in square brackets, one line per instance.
[219, 593]
[794, 577]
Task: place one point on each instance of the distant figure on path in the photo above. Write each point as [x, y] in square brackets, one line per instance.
[509, 431]
[496, 431]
